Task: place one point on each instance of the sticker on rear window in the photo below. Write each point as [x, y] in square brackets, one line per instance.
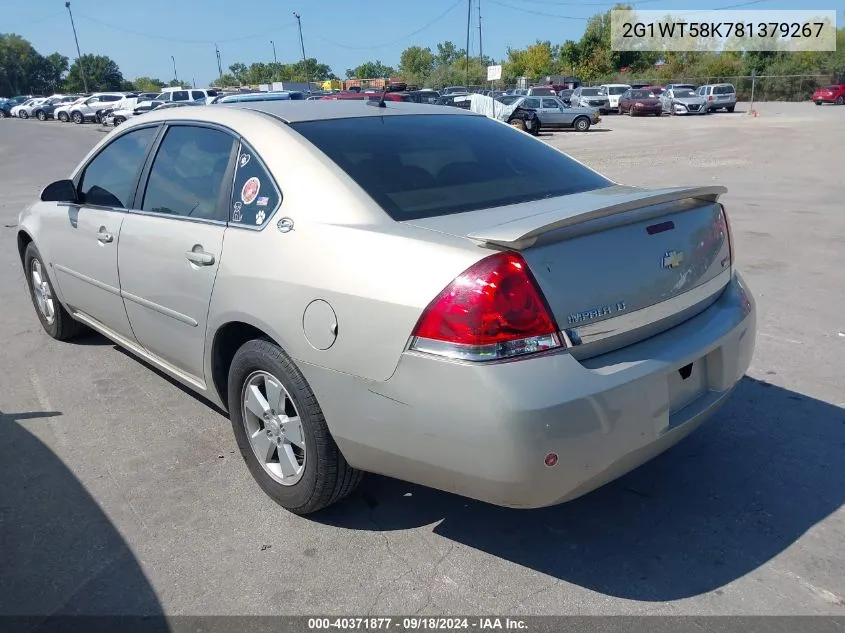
[236, 212]
[250, 190]
[259, 217]
[244, 159]
[263, 201]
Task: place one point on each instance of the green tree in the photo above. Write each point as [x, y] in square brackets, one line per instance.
[148, 84]
[370, 70]
[23, 69]
[416, 64]
[101, 73]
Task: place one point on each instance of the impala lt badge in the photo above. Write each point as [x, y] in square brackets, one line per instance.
[672, 259]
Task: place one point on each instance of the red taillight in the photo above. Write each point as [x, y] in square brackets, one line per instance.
[493, 310]
[726, 226]
[710, 98]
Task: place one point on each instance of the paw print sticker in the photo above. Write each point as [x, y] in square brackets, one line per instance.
[259, 217]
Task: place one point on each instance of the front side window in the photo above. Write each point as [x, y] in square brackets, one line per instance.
[531, 102]
[550, 103]
[197, 94]
[420, 166]
[109, 179]
[180, 95]
[189, 173]
[254, 196]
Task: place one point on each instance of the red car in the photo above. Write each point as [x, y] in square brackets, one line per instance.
[368, 96]
[830, 94]
[639, 103]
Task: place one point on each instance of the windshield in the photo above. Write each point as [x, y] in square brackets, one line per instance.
[592, 92]
[421, 166]
[617, 90]
[683, 93]
[641, 94]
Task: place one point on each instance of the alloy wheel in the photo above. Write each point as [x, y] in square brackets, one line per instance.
[274, 428]
[43, 295]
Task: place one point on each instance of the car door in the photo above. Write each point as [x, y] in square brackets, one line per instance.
[83, 238]
[171, 245]
[90, 106]
[553, 113]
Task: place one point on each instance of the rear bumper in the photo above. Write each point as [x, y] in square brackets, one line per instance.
[484, 431]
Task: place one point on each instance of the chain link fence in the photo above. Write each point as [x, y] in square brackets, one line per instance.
[766, 87]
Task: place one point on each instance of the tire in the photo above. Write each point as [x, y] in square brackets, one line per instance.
[63, 117]
[56, 322]
[619, 110]
[41, 115]
[730, 108]
[117, 120]
[519, 124]
[840, 100]
[3, 114]
[581, 124]
[23, 114]
[323, 477]
[77, 117]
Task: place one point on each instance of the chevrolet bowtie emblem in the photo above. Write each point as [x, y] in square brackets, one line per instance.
[672, 259]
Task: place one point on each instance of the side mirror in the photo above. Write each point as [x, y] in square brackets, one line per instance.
[60, 191]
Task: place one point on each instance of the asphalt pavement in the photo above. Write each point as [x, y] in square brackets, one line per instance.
[121, 492]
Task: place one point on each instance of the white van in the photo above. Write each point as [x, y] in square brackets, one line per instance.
[187, 94]
[613, 92]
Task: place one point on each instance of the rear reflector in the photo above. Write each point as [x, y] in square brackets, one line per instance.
[493, 310]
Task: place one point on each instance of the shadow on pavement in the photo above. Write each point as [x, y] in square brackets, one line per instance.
[729, 498]
[60, 554]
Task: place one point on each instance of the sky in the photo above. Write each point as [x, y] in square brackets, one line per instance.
[142, 36]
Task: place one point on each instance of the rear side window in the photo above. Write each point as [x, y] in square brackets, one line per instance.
[723, 90]
[109, 179]
[179, 95]
[197, 94]
[255, 196]
[420, 166]
[189, 173]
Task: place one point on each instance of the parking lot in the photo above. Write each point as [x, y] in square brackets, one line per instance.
[120, 492]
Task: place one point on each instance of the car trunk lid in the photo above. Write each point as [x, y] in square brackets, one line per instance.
[616, 264]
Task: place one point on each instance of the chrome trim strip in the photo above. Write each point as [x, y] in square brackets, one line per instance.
[175, 216]
[136, 349]
[87, 279]
[183, 318]
[608, 328]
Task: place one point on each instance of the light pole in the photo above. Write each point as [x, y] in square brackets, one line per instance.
[78, 52]
[302, 44]
[175, 76]
[273, 44]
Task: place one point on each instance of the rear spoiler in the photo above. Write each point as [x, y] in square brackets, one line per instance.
[522, 232]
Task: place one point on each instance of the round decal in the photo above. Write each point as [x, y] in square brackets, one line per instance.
[250, 190]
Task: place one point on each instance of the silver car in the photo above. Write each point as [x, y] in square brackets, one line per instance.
[682, 101]
[586, 97]
[555, 114]
[420, 292]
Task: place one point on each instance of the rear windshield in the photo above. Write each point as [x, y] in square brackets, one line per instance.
[422, 166]
[542, 91]
[592, 92]
[723, 90]
[641, 94]
[617, 90]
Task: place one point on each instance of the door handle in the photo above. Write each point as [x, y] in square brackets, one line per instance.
[200, 257]
[104, 236]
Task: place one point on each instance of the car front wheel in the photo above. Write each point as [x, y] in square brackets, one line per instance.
[23, 114]
[581, 124]
[41, 115]
[281, 432]
[63, 117]
[77, 117]
[54, 318]
[840, 100]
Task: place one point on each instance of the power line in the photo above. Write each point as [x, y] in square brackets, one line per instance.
[584, 4]
[183, 40]
[49, 16]
[396, 41]
[547, 15]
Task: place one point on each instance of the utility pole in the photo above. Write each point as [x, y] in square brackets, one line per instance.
[219, 62]
[78, 52]
[175, 76]
[302, 44]
[469, 18]
[480, 43]
[273, 44]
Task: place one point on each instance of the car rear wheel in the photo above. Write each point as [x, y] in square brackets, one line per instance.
[23, 114]
[3, 114]
[42, 116]
[63, 117]
[840, 100]
[118, 120]
[54, 318]
[620, 111]
[281, 431]
[581, 124]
